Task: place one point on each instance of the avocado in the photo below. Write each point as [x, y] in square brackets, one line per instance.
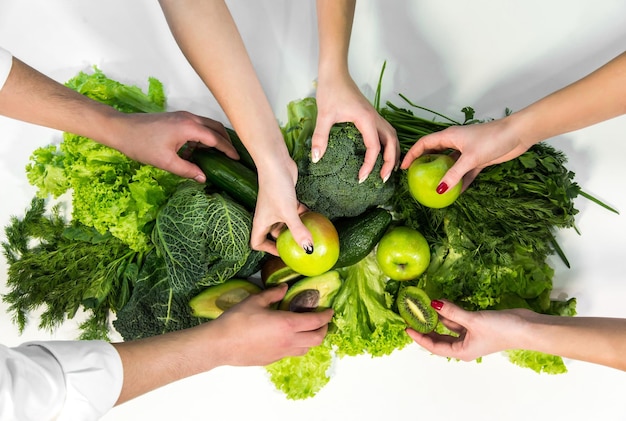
[312, 293]
[216, 299]
[275, 271]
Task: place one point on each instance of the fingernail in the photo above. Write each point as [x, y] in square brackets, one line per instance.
[362, 179]
[200, 178]
[386, 178]
[436, 304]
[442, 188]
[315, 155]
[308, 248]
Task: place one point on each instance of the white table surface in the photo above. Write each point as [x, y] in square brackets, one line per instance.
[444, 55]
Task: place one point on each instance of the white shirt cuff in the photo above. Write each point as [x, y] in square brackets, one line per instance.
[93, 377]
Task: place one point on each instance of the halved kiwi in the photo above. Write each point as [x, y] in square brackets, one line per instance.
[414, 307]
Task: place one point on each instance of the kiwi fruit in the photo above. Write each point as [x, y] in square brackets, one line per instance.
[414, 307]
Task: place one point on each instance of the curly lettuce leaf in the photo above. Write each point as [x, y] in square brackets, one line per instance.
[302, 377]
[110, 192]
[537, 361]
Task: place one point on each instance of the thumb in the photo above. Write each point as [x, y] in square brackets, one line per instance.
[301, 235]
[450, 311]
[454, 175]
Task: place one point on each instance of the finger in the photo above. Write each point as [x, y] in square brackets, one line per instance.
[215, 126]
[453, 326]
[311, 321]
[319, 140]
[186, 169]
[391, 154]
[213, 134]
[436, 344]
[305, 340]
[372, 149]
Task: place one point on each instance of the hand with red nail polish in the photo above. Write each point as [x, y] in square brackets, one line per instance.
[474, 334]
[571, 108]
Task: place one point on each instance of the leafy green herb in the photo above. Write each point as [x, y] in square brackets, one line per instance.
[63, 268]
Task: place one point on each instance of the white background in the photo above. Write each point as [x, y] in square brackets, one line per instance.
[444, 55]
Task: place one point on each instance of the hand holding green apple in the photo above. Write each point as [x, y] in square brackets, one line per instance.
[325, 246]
[403, 253]
[424, 175]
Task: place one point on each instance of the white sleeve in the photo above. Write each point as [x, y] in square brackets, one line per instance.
[6, 61]
[59, 380]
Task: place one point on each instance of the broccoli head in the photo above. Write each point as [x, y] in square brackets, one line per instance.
[331, 185]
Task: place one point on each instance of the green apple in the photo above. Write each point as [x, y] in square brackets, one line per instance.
[425, 174]
[403, 253]
[325, 246]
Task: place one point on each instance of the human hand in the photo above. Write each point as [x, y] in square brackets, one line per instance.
[156, 139]
[477, 146]
[340, 100]
[278, 207]
[255, 335]
[480, 332]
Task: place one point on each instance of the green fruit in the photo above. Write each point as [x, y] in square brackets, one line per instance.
[403, 254]
[275, 271]
[414, 307]
[425, 174]
[325, 246]
[216, 299]
[314, 293]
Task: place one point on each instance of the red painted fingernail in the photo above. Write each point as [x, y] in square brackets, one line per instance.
[442, 188]
[436, 304]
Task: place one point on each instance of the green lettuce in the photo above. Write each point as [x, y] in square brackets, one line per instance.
[364, 321]
[302, 377]
[110, 191]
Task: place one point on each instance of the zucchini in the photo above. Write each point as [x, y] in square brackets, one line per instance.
[230, 176]
[358, 235]
[244, 155]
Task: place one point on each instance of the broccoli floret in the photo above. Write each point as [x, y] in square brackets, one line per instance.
[331, 185]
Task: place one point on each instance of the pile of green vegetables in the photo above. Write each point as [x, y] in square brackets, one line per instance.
[133, 244]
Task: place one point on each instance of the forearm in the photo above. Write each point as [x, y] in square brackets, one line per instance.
[334, 23]
[595, 98]
[208, 37]
[592, 339]
[154, 362]
[31, 96]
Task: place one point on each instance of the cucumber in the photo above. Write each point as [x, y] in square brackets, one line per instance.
[232, 177]
[358, 235]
